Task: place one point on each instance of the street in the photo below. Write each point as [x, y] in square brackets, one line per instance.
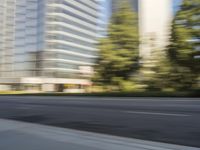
[169, 120]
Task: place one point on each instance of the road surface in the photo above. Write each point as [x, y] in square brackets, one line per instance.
[169, 120]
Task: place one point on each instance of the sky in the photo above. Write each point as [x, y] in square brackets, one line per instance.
[176, 4]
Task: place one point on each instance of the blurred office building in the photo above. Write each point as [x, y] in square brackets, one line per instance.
[48, 45]
[155, 19]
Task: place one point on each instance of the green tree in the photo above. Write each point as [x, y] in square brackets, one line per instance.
[184, 44]
[119, 50]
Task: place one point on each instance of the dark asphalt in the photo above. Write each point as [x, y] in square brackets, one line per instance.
[170, 120]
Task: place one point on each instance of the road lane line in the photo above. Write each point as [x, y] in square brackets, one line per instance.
[160, 114]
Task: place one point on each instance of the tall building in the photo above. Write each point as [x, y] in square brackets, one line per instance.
[155, 19]
[48, 42]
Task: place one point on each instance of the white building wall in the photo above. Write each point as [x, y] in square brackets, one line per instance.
[155, 17]
[71, 37]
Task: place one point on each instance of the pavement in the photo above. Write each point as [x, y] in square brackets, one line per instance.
[15, 135]
[166, 120]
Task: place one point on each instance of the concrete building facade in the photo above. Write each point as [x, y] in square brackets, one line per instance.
[48, 42]
[154, 23]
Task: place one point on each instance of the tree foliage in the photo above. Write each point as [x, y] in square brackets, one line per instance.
[185, 39]
[119, 50]
[184, 45]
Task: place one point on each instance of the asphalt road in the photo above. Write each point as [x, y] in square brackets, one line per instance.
[170, 120]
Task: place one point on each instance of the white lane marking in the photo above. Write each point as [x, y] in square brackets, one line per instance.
[160, 114]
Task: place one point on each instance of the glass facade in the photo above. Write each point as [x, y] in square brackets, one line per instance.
[47, 38]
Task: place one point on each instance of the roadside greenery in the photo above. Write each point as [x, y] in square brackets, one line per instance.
[177, 68]
[184, 46]
[119, 52]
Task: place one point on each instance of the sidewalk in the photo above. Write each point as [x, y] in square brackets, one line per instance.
[16, 135]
